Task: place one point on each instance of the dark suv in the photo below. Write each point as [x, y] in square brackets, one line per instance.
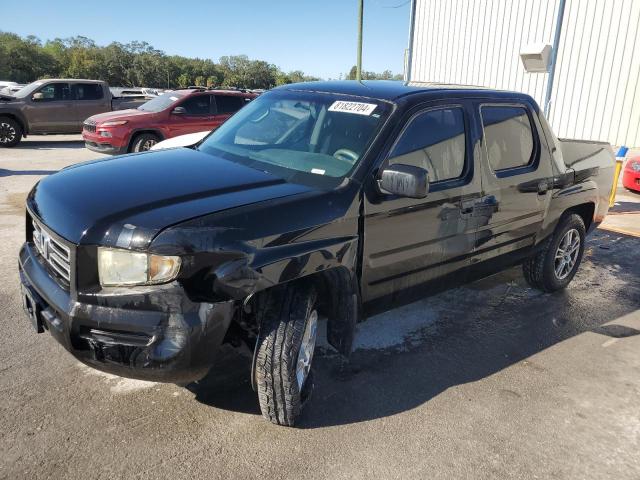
[319, 199]
[174, 113]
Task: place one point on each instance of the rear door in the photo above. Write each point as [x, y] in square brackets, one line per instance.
[51, 109]
[89, 100]
[411, 241]
[196, 118]
[516, 178]
[225, 106]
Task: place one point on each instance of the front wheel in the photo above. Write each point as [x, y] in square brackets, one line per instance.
[10, 132]
[557, 261]
[144, 142]
[288, 327]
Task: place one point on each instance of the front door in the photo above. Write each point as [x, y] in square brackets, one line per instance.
[196, 116]
[51, 109]
[516, 179]
[411, 241]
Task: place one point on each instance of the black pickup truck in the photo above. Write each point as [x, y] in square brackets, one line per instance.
[319, 199]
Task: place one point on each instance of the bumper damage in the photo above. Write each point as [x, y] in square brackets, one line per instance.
[158, 334]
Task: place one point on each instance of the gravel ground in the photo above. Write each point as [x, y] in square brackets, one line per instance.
[492, 380]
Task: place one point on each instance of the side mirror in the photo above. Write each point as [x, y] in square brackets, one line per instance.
[179, 111]
[405, 181]
[37, 97]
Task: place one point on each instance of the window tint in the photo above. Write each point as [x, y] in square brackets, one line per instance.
[88, 91]
[198, 105]
[229, 103]
[55, 92]
[508, 137]
[434, 140]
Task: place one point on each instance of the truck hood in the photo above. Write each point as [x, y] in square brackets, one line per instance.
[129, 114]
[125, 201]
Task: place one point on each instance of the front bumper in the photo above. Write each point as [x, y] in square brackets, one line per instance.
[150, 333]
[117, 144]
[631, 180]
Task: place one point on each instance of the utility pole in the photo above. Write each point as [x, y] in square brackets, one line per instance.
[554, 57]
[359, 63]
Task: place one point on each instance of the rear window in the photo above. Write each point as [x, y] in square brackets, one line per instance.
[229, 103]
[88, 91]
[508, 136]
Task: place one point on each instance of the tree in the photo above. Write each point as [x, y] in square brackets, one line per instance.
[137, 63]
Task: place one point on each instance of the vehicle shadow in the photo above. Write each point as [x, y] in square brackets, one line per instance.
[625, 207]
[49, 144]
[10, 173]
[480, 329]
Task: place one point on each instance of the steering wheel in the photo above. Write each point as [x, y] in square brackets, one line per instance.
[346, 155]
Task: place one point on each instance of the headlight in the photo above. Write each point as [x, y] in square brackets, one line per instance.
[115, 123]
[635, 166]
[124, 267]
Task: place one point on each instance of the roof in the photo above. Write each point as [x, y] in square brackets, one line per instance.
[85, 80]
[383, 89]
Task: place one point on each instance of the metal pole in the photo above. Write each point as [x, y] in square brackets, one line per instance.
[554, 56]
[359, 63]
[412, 27]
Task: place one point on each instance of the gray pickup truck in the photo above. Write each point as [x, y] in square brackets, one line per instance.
[56, 106]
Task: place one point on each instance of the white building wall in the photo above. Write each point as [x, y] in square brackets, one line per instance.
[596, 92]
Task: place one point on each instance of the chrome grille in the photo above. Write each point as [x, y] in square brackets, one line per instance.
[54, 252]
[89, 127]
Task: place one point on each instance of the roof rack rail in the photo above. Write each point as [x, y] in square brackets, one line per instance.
[236, 89]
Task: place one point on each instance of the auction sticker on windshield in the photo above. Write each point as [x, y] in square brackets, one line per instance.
[353, 107]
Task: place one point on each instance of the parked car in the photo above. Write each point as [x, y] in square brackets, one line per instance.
[631, 174]
[6, 86]
[328, 198]
[168, 115]
[188, 140]
[55, 106]
[11, 89]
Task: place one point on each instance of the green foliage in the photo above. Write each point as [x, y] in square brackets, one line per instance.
[136, 63]
[386, 75]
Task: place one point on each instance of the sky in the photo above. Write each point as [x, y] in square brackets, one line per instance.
[316, 36]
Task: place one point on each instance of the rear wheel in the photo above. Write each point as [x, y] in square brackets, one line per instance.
[558, 259]
[285, 352]
[10, 132]
[144, 142]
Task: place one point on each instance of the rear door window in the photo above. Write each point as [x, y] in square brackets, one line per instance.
[229, 103]
[508, 136]
[88, 91]
[196, 105]
[434, 140]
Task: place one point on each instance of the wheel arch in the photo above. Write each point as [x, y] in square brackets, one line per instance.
[18, 118]
[136, 133]
[584, 210]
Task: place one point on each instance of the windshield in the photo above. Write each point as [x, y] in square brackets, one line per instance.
[161, 102]
[300, 136]
[27, 89]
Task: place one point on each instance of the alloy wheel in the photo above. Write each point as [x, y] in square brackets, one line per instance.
[567, 254]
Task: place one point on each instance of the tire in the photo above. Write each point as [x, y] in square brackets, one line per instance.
[548, 270]
[144, 142]
[288, 316]
[10, 132]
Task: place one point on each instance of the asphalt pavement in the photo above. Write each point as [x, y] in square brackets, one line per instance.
[491, 380]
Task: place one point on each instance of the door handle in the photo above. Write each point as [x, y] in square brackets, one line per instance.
[543, 187]
[466, 208]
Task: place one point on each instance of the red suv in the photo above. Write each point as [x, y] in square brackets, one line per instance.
[174, 113]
